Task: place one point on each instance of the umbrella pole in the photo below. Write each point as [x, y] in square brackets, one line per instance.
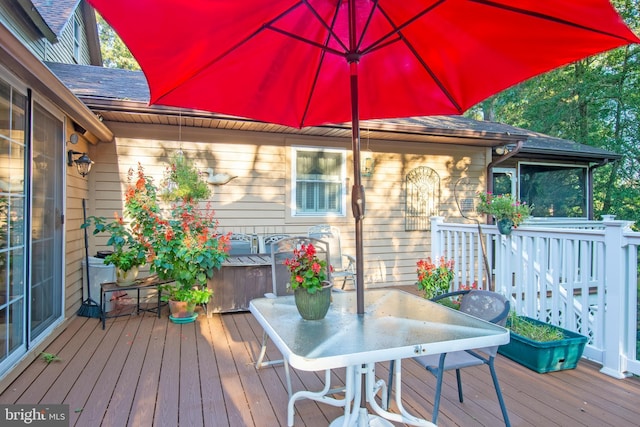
[357, 192]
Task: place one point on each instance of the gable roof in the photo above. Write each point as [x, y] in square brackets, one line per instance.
[123, 96]
[50, 16]
[56, 13]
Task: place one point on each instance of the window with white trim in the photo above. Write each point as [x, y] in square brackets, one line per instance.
[318, 181]
[76, 40]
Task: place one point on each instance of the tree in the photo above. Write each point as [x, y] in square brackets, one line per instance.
[115, 53]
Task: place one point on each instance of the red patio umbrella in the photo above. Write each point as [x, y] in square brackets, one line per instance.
[308, 62]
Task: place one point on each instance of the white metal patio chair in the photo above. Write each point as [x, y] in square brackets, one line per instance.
[486, 305]
[268, 240]
[240, 243]
[344, 266]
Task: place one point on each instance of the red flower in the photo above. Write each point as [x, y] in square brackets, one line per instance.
[307, 270]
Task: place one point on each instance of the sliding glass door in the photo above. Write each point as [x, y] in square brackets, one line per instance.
[31, 240]
[45, 221]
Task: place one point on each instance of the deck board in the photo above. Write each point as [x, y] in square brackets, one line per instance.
[145, 371]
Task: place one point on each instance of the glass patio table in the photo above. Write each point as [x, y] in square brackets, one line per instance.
[396, 325]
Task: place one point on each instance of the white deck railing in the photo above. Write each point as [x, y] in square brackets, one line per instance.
[562, 272]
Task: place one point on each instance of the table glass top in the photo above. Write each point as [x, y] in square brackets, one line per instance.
[396, 324]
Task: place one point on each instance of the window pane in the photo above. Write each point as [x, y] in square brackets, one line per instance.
[554, 191]
[502, 183]
[319, 181]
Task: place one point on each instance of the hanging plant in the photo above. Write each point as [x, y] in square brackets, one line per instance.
[182, 181]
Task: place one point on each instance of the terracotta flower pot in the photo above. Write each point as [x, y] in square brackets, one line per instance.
[181, 309]
[313, 306]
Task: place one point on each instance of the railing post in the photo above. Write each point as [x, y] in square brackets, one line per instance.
[436, 237]
[615, 300]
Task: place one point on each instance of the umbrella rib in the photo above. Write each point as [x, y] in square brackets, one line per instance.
[397, 28]
[327, 27]
[320, 46]
[398, 32]
[366, 25]
[264, 26]
[546, 17]
[324, 50]
[324, 47]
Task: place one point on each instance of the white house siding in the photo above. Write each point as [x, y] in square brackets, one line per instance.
[256, 201]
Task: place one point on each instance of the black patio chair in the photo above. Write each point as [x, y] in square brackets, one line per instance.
[486, 305]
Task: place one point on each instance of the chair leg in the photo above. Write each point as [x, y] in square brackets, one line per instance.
[459, 385]
[439, 375]
[503, 408]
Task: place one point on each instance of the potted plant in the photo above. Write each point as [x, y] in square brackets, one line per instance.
[505, 209]
[434, 279]
[183, 300]
[127, 255]
[180, 242]
[312, 290]
[540, 346]
[183, 181]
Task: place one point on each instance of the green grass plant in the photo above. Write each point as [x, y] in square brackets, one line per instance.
[532, 331]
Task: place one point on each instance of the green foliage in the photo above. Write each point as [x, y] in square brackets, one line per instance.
[183, 181]
[535, 332]
[307, 270]
[434, 279]
[503, 206]
[128, 252]
[115, 53]
[49, 357]
[194, 295]
[180, 243]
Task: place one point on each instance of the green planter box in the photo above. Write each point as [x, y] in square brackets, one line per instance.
[545, 356]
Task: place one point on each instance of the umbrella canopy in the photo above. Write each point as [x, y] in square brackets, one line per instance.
[308, 62]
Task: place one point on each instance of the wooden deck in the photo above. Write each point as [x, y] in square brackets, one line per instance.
[144, 371]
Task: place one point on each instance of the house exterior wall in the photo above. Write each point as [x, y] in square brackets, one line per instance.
[257, 200]
[77, 188]
[14, 19]
[62, 51]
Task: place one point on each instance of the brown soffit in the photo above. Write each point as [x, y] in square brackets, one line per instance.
[126, 111]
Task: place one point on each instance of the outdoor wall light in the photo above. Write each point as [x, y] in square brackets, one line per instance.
[83, 163]
[503, 149]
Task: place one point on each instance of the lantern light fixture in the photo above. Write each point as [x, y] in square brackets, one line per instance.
[83, 163]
